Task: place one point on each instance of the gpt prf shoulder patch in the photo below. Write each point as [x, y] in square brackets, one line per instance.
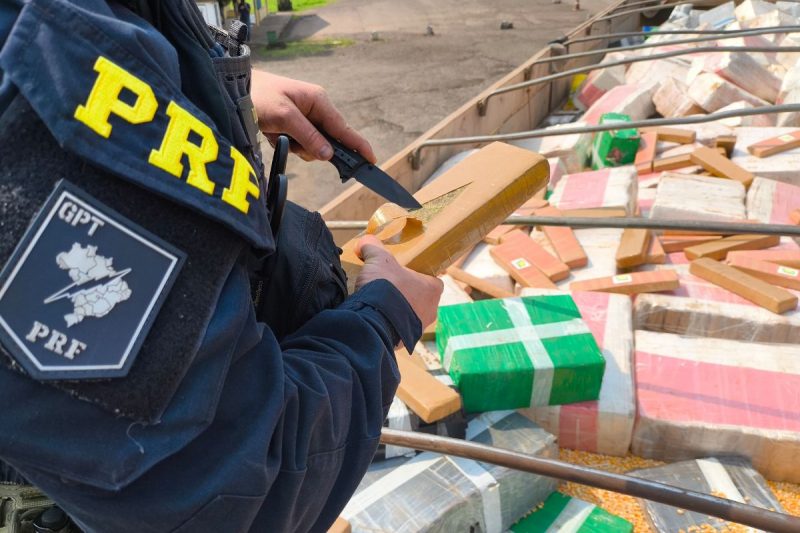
[82, 289]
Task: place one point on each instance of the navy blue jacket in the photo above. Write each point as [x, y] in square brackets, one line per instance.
[260, 435]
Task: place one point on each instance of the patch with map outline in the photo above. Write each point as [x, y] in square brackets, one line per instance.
[82, 289]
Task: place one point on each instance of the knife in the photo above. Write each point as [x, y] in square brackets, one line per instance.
[351, 164]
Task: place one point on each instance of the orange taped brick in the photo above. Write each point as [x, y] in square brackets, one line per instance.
[595, 212]
[726, 142]
[428, 397]
[340, 526]
[633, 248]
[646, 153]
[519, 255]
[496, 235]
[790, 258]
[678, 243]
[674, 135]
[748, 287]
[656, 254]
[794, 216]
[478, 284]
[720, 248]
[780, 275]
[775, 145]
[563, 240]
[679, 161]
[720, 166]
[633, 283]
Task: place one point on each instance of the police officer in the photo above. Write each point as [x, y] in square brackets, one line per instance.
[165, 366]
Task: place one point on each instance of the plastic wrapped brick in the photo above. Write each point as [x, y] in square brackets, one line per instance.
[701, 396]
[433, 492]
[401, 417]
[771, 201]
[606, 425]
[573, 150]
[563, 513]
[732, 478]
[688, 197]
[598, 83]
[712, 92]
[701, 308]
[519, 352]
[780, 167]
[608, 187]
[635, 100]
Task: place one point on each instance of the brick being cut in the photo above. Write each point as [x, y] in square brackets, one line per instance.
[698, 396]
[772, 202]
[728, 477]
[445, 493]
[712, 92]
[607, 188]
[606, 425]
[689, 197]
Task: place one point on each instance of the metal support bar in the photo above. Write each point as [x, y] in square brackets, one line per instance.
[636, 59]
[599, 51]
[609, 36]
[720, 228]
[706, 504]
[415, 156]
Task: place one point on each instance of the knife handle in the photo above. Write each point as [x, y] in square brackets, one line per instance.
[344, 159]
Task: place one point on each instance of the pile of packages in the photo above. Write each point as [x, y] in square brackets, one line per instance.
[674, 346]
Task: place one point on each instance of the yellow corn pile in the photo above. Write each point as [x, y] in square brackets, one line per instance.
[628, 508]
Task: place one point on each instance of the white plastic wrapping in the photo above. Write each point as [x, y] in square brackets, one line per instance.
[688, 197]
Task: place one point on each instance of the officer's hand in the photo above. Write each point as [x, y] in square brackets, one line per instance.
[421, 291]
[297, 108]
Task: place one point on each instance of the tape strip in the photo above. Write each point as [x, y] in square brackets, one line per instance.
[489, 489]
[572, 517]
[718, 480]
[399, 418]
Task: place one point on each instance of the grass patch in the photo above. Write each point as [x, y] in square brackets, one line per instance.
[294, 49]
[298, 5]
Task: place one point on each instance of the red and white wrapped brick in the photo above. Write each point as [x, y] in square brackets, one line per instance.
[771, 201]
[660, 70]
[743, 70]
[606, 425]
[607, 187]
[598, 83]
[750, 9]
[790, 94]
[701, 308]
[688, 197]
[636, 101]
[712, 92]
[700, 396]
[672, 99]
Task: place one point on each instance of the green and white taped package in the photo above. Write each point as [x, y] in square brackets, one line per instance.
[562, 513]
[519, 352]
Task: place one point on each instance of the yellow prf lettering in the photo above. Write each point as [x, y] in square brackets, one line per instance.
[104, 99]
[176, 143]
[241, 186]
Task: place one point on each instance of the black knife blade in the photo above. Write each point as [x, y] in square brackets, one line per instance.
[351, 164]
